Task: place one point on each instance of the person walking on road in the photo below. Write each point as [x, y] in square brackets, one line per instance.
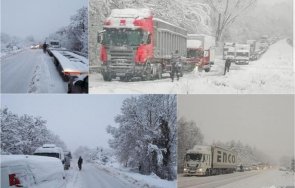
[45, 47]
[80, 161]
[175, 65]
[227, 65]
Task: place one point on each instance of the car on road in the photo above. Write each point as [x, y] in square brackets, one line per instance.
[30, 171]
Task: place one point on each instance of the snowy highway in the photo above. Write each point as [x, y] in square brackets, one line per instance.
[253, 179]
[93, 177]
[272, 73]
[30, 71]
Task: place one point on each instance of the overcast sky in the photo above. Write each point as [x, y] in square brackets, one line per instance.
[263, 121]
[37, 18]
[77, 119]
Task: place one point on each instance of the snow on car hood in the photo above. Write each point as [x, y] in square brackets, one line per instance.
[43, 168]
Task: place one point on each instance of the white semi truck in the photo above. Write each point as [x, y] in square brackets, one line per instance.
[209, 160]
[242, 53]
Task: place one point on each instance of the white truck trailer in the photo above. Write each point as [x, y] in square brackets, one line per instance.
[209, 160]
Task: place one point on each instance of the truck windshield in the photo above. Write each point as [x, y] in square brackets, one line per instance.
[194, 157]
[54, 43]
[231, 53]
[194, 53]
[120, 37]
[245, 54]
[56, 155]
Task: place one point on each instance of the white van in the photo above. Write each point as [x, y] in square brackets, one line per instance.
[50, 150]
[29, 171]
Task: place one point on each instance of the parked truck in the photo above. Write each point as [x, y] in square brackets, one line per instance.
[253, 54]
[201, 51]
[228, 50]
[135, 44]
[242, 53]
[51, 150]
[209, 160]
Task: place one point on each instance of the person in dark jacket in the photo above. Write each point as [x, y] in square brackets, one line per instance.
[175, 65]
[45, 45]
[80, 161]
[227, 65]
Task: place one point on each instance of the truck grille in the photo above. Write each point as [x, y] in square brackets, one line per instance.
[118, 55]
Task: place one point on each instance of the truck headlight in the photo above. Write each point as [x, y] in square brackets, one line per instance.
[185, 169]
[200, 170]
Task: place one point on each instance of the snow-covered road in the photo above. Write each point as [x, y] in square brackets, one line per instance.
[91, 176]
[30, 71]
[272, 73]
[254, 179]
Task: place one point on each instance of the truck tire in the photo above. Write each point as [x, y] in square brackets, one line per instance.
[159, 71]
[107, 77]
[207, 69]
[200, 69]
[148, 72]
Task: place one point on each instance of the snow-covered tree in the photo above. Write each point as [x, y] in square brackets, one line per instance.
[74, 36]
[24, 134]
[188, 135]
[227, 11]
[146, 136]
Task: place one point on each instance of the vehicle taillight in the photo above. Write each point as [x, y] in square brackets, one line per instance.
[122, 22]
[103, 54]
[107, 22]
[13, 180]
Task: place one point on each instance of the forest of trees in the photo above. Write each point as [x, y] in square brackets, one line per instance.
[145, 138]
[23, 134]
[75, 36]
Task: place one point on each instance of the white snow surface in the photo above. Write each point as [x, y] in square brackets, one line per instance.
[134, 178]
[30, 71]
[271, 74]
[44, 169]
[267, 179]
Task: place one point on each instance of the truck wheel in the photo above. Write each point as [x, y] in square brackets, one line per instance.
[107, 77]
[207, 69]
[159, 72]
[148, 72]
[200, 69]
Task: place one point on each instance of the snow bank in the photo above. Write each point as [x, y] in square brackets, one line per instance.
[267, 179]
[136, 179]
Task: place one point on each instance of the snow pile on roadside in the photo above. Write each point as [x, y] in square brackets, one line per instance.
[5, 54]
[268, 179]
[138, 180]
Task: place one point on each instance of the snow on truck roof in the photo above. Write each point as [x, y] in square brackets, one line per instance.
[131, 13]
[200, 149]
[43, 168]
[48, 148]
